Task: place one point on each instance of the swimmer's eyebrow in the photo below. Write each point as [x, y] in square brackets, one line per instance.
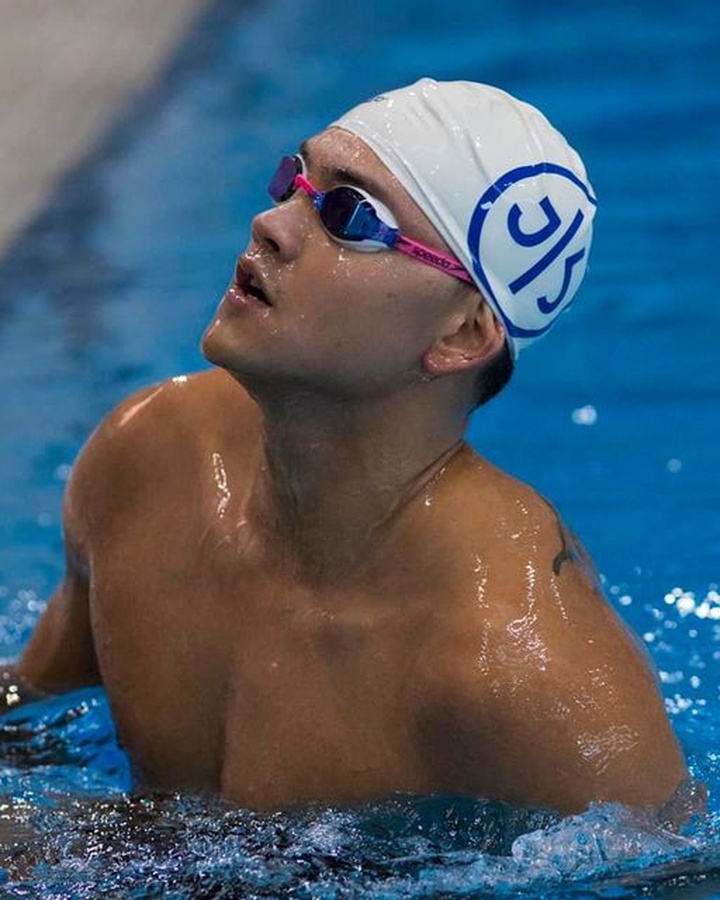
[342, 175]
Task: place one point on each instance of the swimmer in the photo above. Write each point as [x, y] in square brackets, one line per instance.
[293, 576]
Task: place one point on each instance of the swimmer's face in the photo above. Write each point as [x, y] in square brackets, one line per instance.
[303, 308]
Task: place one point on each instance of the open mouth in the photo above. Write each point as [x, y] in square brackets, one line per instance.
[249, 285]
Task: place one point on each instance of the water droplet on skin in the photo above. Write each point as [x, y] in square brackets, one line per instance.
[221, 485]
[602, 748]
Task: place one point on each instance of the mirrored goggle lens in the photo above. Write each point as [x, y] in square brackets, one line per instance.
[281, 186]
[347, 215]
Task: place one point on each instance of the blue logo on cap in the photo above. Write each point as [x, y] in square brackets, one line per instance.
[528, 249]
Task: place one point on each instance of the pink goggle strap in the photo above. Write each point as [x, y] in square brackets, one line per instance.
[435, 258]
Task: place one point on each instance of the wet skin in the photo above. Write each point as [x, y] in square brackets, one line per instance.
[298, 583]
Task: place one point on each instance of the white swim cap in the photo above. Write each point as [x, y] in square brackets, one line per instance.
[502, 187]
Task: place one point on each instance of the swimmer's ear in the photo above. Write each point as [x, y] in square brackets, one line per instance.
[469, 342]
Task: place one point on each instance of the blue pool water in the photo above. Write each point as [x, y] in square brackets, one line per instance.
[614, 418]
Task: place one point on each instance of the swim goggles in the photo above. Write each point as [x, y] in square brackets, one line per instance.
[356, 220]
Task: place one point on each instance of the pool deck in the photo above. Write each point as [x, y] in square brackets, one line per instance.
[68, 69]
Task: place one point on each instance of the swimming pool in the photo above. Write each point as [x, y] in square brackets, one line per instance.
[613, 419]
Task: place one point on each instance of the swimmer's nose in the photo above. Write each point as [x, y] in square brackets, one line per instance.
[282, 229]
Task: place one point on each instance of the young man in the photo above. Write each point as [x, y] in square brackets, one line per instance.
[294, 578]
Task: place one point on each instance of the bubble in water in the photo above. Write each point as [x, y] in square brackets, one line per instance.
[585, 415]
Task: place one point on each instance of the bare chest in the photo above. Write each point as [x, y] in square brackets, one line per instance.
[252, 686]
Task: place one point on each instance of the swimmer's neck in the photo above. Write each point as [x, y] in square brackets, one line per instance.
[334, 478]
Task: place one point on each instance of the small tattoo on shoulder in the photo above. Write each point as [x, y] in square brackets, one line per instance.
[573, 551]
[570, 550]
[563, 556]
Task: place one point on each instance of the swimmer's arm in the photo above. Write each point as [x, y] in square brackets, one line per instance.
[563, 708]
[618, 738]
[584, 717]
[554, 733]
[613, 740]
[60, 655]
[598, 735]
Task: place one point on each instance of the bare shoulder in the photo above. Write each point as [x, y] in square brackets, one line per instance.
[157, 431]
[175, 405]
[502, 517]
[519, 572]
[538, 692]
